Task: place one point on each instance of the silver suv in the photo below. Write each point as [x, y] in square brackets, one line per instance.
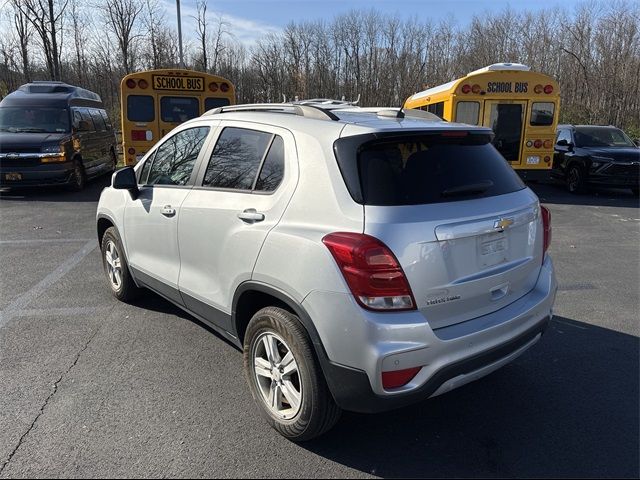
[363, 259]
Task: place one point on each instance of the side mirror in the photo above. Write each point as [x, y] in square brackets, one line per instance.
[125, 179]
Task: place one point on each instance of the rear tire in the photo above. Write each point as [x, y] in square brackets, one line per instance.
[78, 178]
[576, 180]
[114, 160]
[290, 389]
[116, 267]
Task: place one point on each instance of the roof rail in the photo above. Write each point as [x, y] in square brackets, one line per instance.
[396, 112]
[303, 110]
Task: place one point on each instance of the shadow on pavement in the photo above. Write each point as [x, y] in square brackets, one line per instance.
[567, 408]
[149, 300]
[606, 197]
[91, 192]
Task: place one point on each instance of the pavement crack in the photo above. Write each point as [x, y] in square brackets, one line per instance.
[47, 400]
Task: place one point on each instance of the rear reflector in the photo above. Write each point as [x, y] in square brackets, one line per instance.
[398, 378]
[371, 271]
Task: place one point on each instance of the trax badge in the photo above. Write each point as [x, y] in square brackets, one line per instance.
[503, 223]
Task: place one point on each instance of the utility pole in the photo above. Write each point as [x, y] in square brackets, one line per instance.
[180, 35]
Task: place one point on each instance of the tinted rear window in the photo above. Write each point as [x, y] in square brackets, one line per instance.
[432, 169]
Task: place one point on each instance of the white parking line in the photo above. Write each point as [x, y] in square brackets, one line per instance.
[37, 241]
[63, 311]
[26, 298]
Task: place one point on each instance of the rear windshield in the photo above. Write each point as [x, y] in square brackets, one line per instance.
[432, 169]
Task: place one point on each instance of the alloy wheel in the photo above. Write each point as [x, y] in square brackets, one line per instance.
[114, 265]
[277, 376]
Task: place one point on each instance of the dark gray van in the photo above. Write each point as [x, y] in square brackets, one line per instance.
[52, 133]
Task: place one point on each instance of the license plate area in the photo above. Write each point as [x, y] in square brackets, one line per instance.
[493, 249]
[13, 176]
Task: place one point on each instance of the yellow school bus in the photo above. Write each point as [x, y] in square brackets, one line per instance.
[155, 101]
[520, 106]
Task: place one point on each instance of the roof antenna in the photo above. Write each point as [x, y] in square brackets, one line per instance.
[357, 100]
[401, 111]
[284, 98]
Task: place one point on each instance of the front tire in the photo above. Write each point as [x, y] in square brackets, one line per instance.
[78, 178]
[285, 378]
[576, 180]
[116, 267]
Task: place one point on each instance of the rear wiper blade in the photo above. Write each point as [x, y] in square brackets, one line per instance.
[468, 189]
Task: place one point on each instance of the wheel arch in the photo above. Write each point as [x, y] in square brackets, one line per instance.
[251, 296]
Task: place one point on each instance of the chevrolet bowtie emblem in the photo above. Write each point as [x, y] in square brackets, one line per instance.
[503, 223]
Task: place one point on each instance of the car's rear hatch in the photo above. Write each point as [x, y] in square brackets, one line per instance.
[465, 229]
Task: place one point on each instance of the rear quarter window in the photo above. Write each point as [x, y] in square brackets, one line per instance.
[427, 169]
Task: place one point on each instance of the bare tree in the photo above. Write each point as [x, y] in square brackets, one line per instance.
[46, 17]
[24, 34]
[122, 20]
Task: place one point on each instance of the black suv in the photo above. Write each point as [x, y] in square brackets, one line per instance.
[52, 133]
[595, 155]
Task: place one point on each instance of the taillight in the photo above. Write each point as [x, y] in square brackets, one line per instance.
[546, 228]
[131, 151]
[547, 144]
[466, 88]
[548, 89]
[138, 135]
[537, 143]
[398, 378]
[131, 83]
[224, 87]
[371, 271]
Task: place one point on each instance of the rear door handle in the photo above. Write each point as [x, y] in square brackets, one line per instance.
[250, 215]
[168, 211]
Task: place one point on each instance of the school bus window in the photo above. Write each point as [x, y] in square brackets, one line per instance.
[437, 109]
[468, 112]
[178, 109]
[542, 114]
[140, 108]
[211, 103]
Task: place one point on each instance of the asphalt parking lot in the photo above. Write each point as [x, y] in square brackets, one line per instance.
[93, 387]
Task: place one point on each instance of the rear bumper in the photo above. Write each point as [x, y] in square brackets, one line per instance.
[35, 176]
[360, 345]
[534, 175]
